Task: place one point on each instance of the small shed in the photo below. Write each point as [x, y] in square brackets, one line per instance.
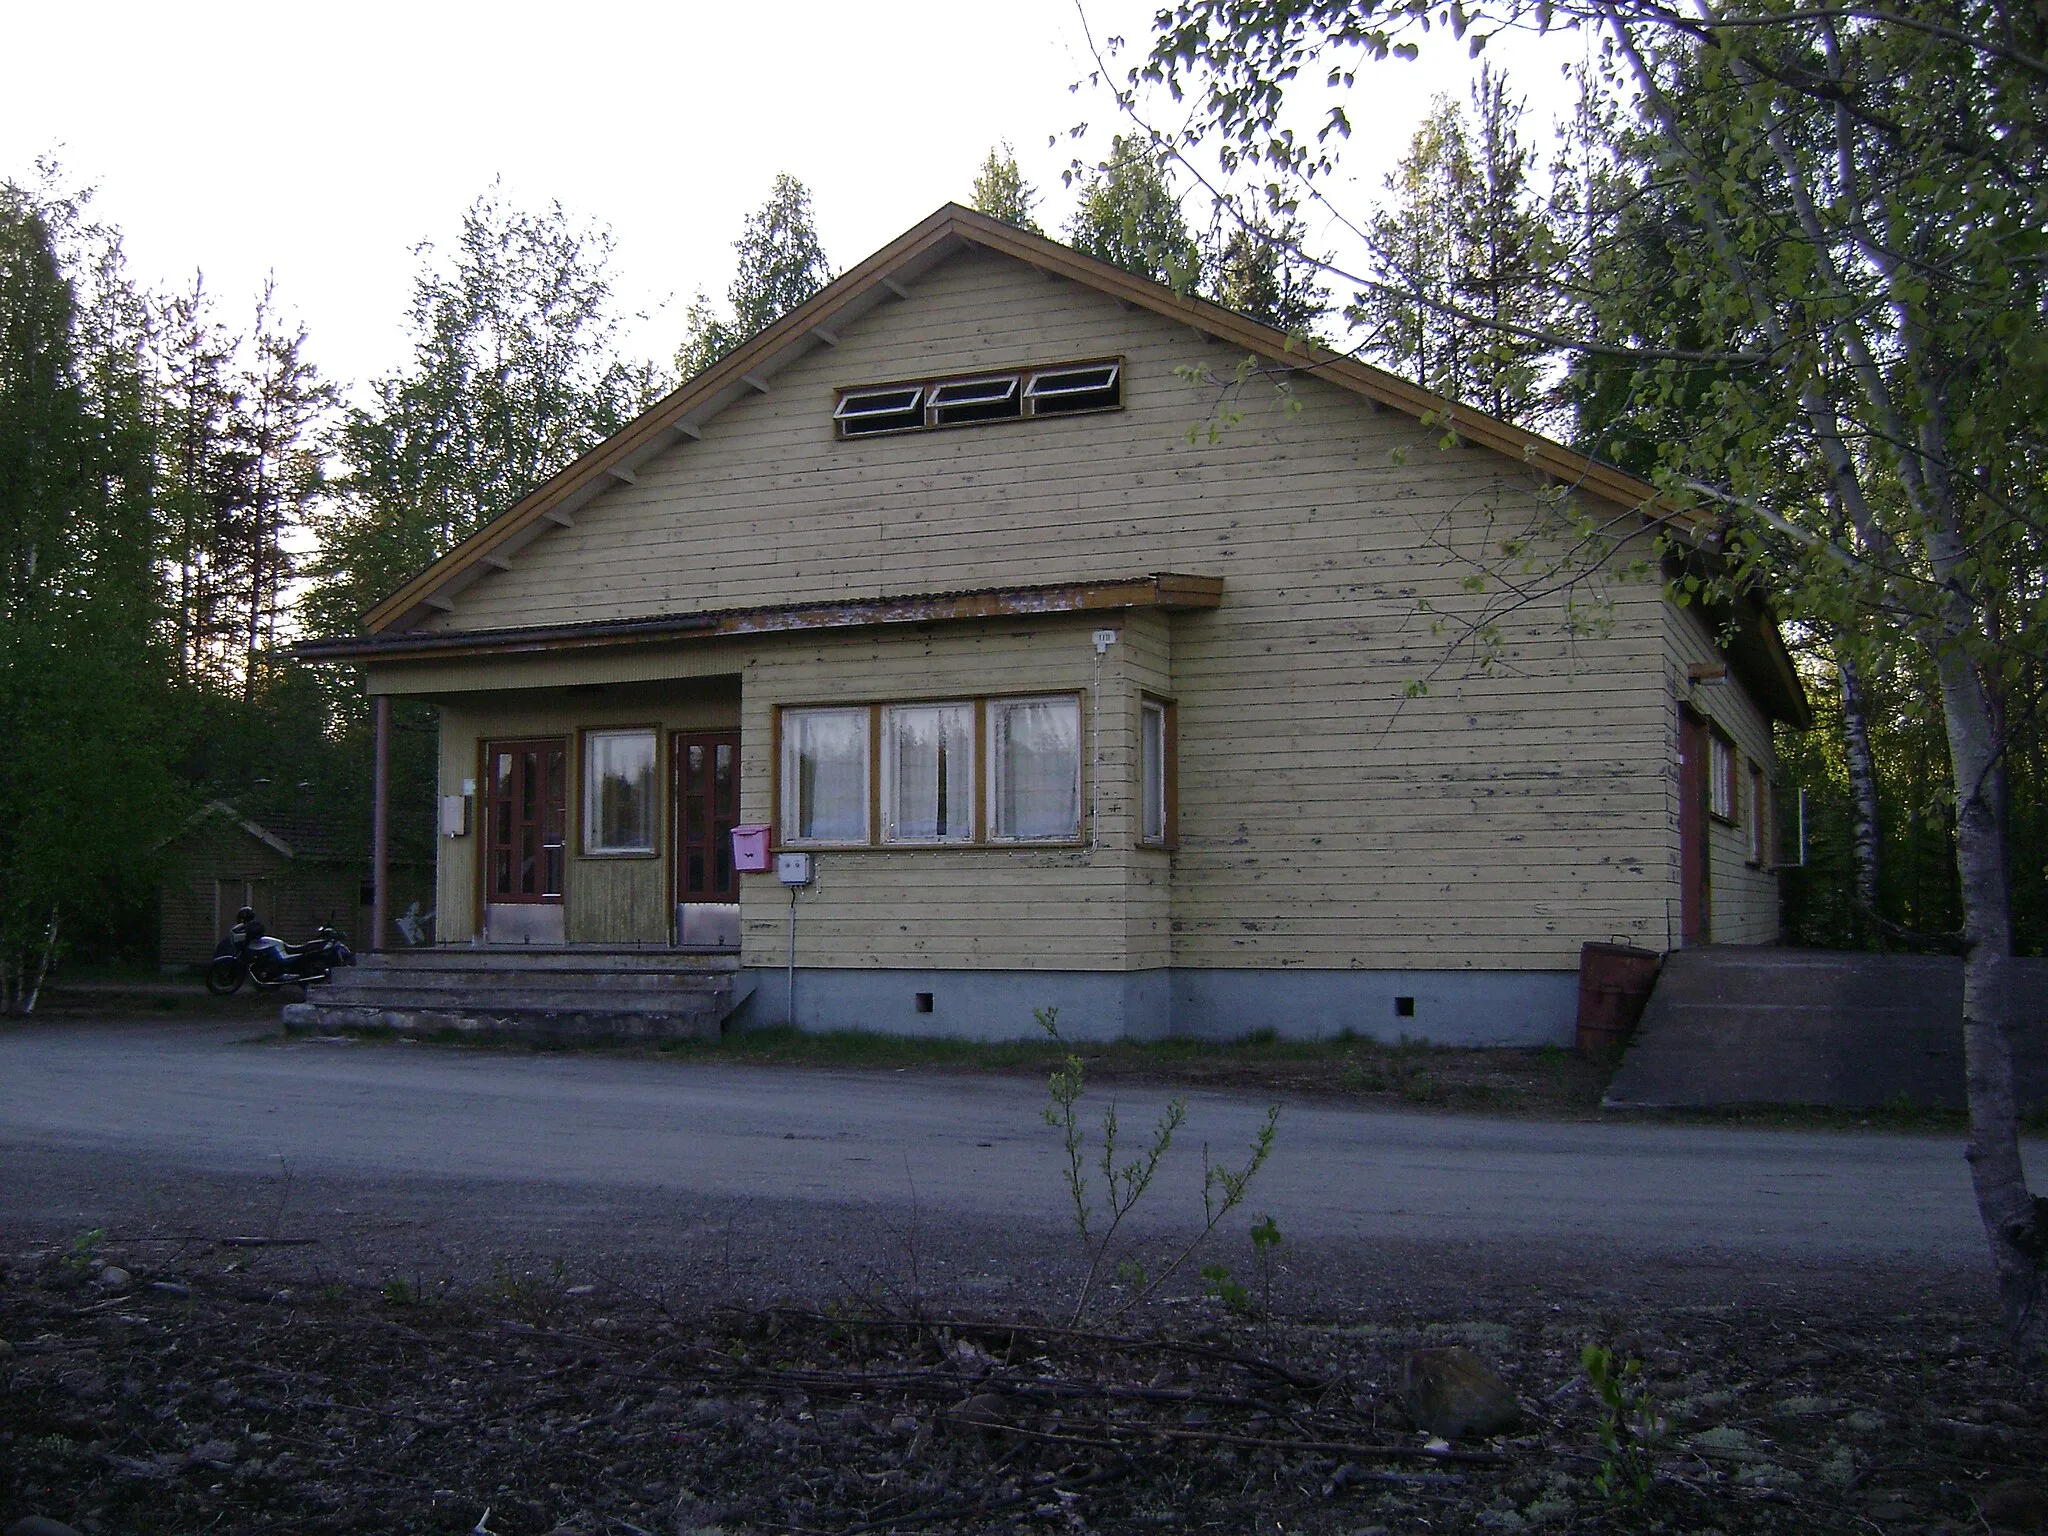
[288, 868]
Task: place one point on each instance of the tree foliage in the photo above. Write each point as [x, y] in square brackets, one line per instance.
[781, 265]
[1852, 216]
[515, 371]
[1258, 269]
[1130, 217]
[83, 676]
[1001, 192]
[1467, 260]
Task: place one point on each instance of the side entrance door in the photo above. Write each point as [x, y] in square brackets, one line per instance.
[526, 824]
[707, 806]
[1695, 888]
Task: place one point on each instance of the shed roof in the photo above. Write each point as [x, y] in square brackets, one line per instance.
[293, 836]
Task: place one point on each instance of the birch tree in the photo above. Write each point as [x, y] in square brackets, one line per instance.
[1858, 200]
[515, 371]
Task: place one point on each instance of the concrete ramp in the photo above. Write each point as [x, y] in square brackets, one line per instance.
[1733, 1024]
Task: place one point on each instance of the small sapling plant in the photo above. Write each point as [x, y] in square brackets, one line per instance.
[1628, 1426]
[1126, 1179]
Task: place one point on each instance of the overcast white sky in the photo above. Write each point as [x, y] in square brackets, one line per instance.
[322, 142]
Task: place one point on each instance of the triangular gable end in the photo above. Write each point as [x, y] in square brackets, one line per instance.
[883, 278]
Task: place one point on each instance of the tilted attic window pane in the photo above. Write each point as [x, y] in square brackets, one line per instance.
[928, 773]
[1061, 391]
[863, 411]
[1035, 769]
[825, 776]
[959, 400]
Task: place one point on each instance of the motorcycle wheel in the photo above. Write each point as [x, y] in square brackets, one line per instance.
[224, 976]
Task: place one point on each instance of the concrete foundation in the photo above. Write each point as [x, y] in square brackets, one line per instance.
[1476, 1008]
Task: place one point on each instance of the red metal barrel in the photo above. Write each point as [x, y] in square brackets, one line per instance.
[1614, 985]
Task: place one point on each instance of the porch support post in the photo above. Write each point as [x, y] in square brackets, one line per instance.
[380, 827]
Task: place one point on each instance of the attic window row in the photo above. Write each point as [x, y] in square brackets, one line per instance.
[1064, 389]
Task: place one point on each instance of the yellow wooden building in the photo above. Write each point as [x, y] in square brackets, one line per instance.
[1104, 651]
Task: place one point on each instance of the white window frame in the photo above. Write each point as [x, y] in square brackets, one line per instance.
[1057, 383]
[788, 775]
[964, 778]
[594, 845]
[858, 406]
[995, 709]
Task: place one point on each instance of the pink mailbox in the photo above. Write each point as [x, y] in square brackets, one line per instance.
[750, 850]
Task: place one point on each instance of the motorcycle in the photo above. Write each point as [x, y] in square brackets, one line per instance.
[247, 953]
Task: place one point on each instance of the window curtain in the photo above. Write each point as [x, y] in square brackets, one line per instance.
[931, 766]
[1038, 768]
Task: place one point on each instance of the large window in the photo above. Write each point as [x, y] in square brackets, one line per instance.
[618, 792]
[825, 775]
[1034, 769]
[1156, 772]
[958, 773]
[928, 773]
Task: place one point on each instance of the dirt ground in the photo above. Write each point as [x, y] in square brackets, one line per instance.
[233, 1395]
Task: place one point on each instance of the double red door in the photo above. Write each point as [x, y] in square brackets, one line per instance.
[526, 820]
[707, 806]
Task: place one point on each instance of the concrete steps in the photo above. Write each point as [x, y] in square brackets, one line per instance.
[1731, 1024]
[545, 995]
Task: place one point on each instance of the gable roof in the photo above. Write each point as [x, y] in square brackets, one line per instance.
[291, 836]
[885, 276]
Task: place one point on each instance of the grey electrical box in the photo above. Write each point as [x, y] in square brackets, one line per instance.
[455, 815]
[794, 868]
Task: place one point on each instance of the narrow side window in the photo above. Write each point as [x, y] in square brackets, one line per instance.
[1759, 818]
[1154, 766]
[1721, 777]
[824, 776]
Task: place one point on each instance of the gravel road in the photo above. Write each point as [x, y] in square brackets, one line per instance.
[424, 1160]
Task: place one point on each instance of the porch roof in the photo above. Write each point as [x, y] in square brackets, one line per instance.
[1172, 591]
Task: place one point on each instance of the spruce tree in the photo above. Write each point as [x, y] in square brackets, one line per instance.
[1260, 270]
[1130, 217]
[1001, 192]
[781, 265]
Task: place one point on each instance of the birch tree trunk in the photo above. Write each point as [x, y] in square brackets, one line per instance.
[2013, 1218]
[1863, 815]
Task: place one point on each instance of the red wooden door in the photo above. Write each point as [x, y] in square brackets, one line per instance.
[707, 777]
[526, 820]
[1695, 923]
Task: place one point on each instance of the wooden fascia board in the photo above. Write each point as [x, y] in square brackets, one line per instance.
[648, 430]
[1172, 591]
